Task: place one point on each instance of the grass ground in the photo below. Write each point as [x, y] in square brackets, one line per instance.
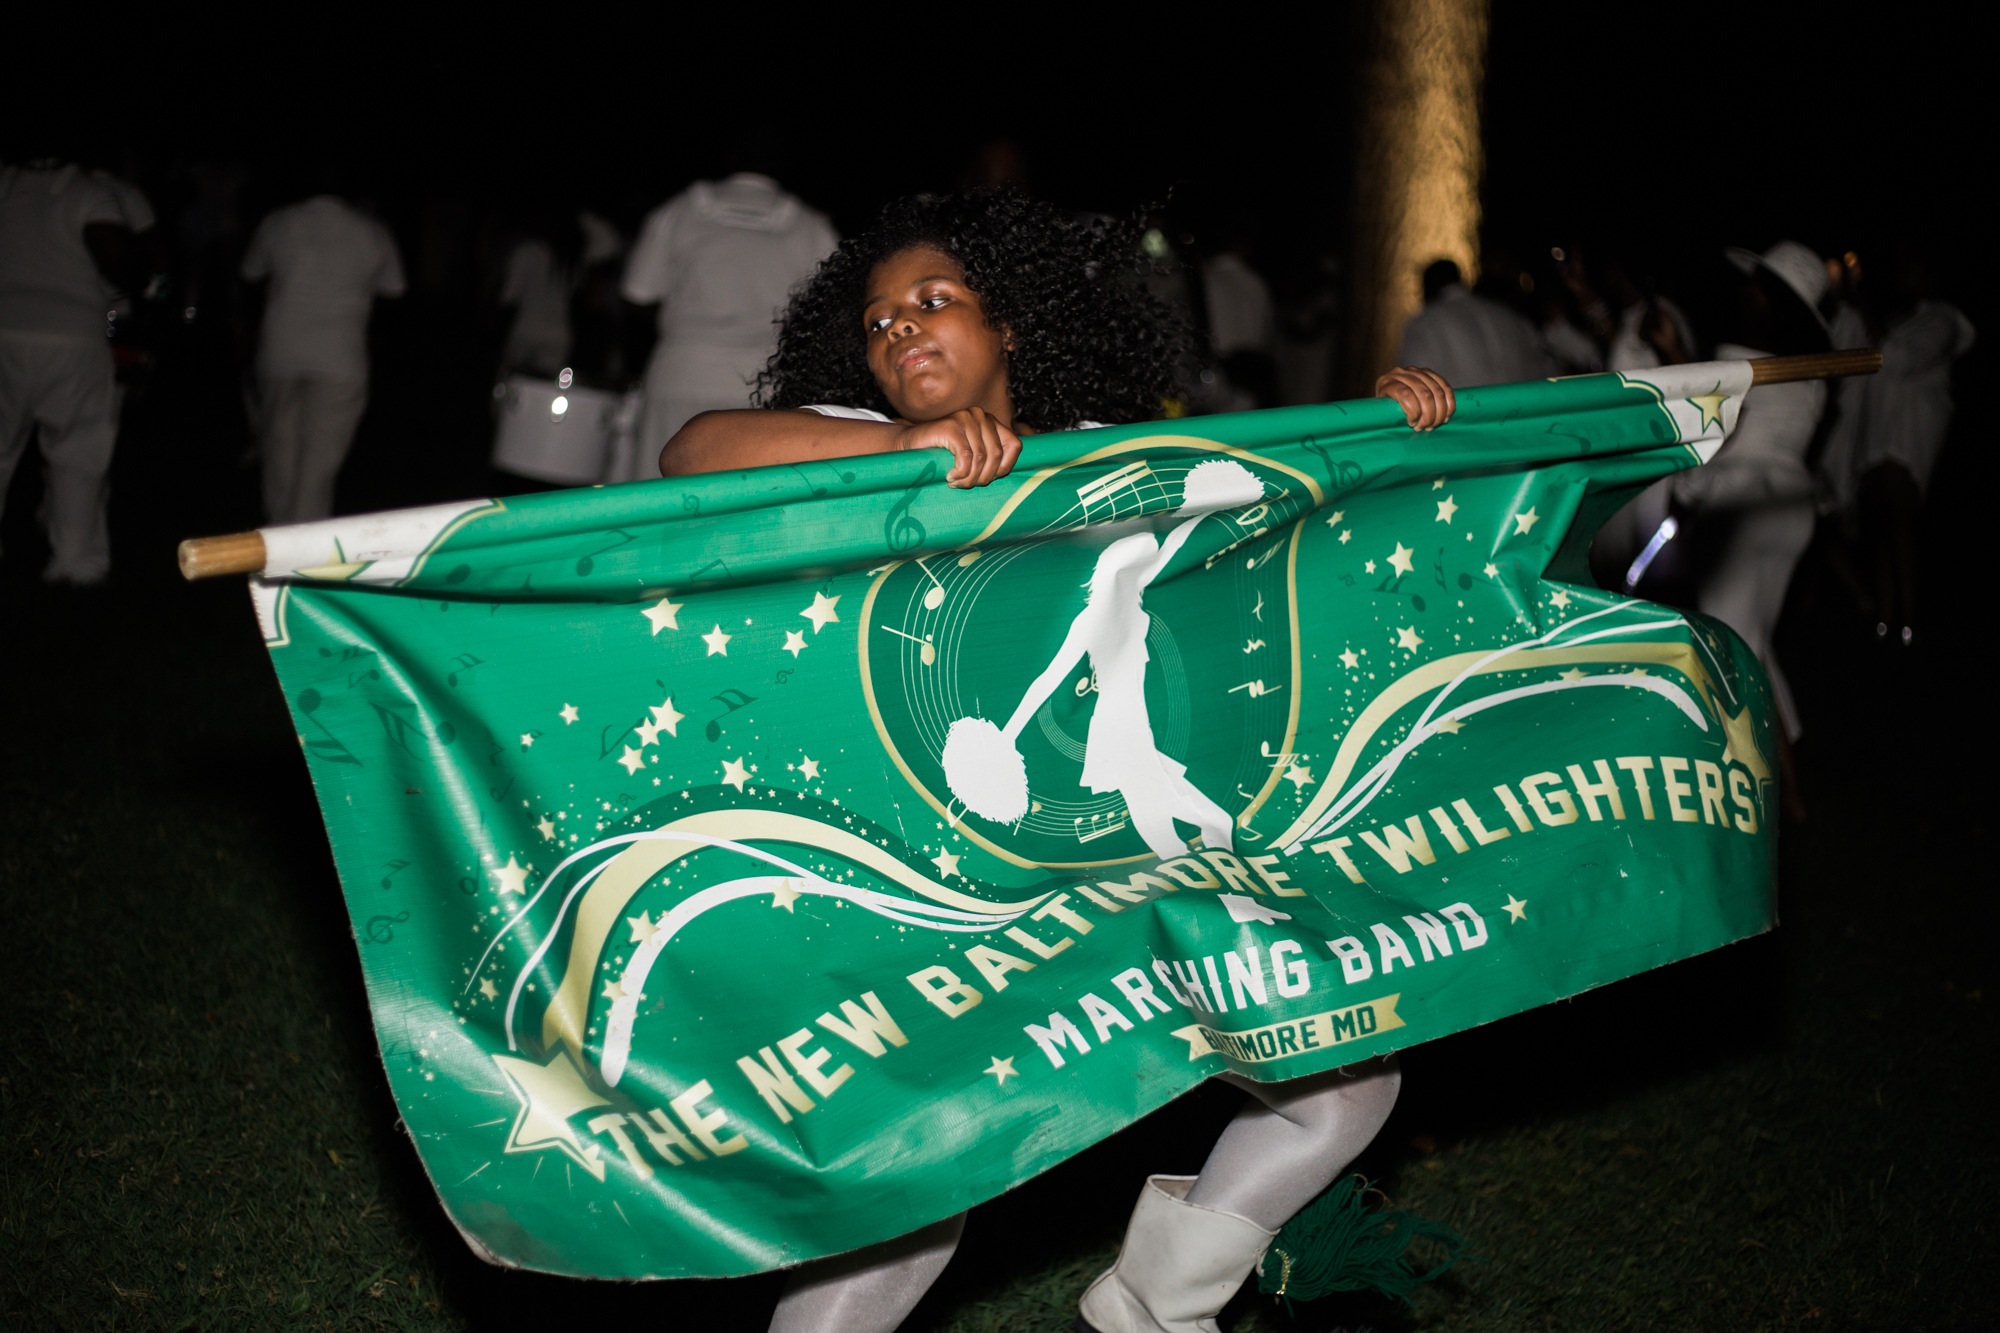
[195, 1132]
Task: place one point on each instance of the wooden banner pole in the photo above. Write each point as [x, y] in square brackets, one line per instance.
[243, 552]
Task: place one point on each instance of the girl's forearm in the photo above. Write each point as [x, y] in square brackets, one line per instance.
[721, 441]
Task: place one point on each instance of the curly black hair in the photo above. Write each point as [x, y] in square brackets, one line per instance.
[1090, 342]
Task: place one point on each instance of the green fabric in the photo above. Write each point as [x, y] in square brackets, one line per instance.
[687, 956]
[1338, 1243]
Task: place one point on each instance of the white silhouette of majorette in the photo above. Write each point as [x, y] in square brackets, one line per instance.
[986, 772]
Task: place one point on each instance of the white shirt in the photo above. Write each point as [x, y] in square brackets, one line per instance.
[1240, 315]
[1905, 408]
[49, 286]
[536, 286]
[327, 262]
[1629, 351]
[1472, 341]
[722, 259]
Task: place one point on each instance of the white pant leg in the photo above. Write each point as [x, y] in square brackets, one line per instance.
[17, 416]
[869, 1290]
[68, 389]
[332, 412]
[1746, 589]
[280, 410]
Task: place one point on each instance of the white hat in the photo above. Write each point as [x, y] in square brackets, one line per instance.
[1794, 264]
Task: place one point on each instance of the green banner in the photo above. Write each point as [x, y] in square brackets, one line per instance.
[751, 867]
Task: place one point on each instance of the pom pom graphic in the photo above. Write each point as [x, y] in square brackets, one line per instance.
[985, 771]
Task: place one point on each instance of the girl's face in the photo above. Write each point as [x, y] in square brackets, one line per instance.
[929, 344]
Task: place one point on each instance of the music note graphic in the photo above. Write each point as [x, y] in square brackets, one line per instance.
[589, 562]
[820, 492]
[1437, 568]
[902, 529]
[1389, 587]
[713, 564]
[1092, 833]
[928, 655]
[1258, 689]
[731, 700]
[464, 663]
[786, 675]
[1258, 610]
[398, 728]
[331, 748]
[1253, 645]
[935, 597]
[394, 867]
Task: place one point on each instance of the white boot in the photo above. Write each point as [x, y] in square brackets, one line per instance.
[1179, 1265]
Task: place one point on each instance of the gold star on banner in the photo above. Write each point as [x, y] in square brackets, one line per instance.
[1400, 559]
[1741, 731]
[642, 927]
[1559, 600]
[734, 773]
[717, 641]
[1517, 908]
[1334, 518]
[546, 828]
[550, 1094]
[1346, 536]
[1446, 509]
[527, 739]
[821, 611]
[664, 614]
[795, 643]
[1349, 660]
[1299, 777]
[946, 863]
[1408, 639]
[1492, 570]
[513, 876]
[1002, 1070]
[1572, 674]
[1710, 406]
[810, 767]
[1524, 521]
[632, 760]
[1368, 568]
[1451, 725]
[568, 714]
[784, 894]
[668, 719]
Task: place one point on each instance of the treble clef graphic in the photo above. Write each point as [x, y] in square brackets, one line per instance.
[901, 528]
[382, 929]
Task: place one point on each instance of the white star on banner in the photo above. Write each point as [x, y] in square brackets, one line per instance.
[717, 641]
[664, 614]
[668, 719]
[821, 611]
[734, 773]
[632, 760]
[513, 876]
[795, 643]
[568, 714]
[1446, 509]
[1001, 1070]
[946, 863]
[1524, 521]
[1400, 560]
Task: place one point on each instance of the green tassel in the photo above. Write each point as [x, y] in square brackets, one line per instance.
[1338, 1243]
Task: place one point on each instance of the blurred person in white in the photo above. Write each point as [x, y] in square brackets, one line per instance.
[63, 236]
[324, 262]
[540, 273]
[1242, 326]
[1651, 330]
[720, 260]
[1892, 427]
[1758, 484]
[1469, 339]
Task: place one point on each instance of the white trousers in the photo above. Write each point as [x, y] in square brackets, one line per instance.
[1746, 589]
[307, 428]
[64, 387]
